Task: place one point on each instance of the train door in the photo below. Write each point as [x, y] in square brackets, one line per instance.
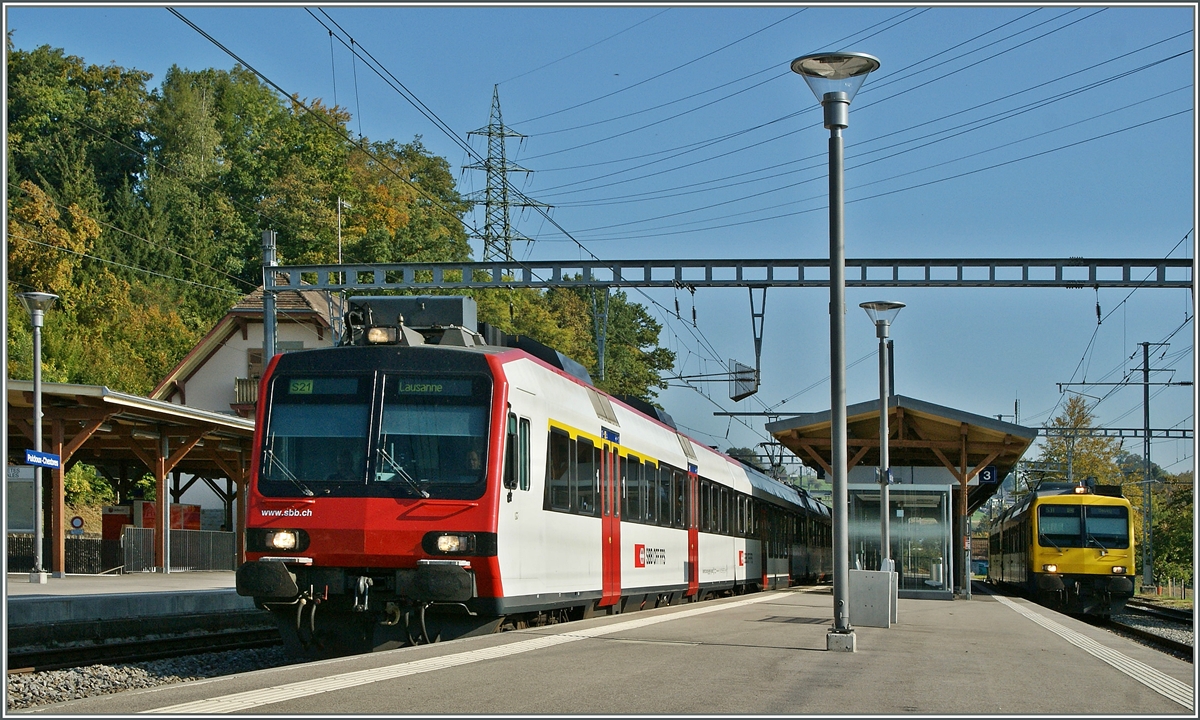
[693, 531]
[610, 521]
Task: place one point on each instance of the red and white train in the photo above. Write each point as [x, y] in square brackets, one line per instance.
[420, 482]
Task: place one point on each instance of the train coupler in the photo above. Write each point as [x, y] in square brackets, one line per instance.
[361, 588]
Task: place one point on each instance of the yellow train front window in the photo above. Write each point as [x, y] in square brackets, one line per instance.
[1060, 526]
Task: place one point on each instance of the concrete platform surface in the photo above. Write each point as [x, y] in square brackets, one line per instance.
[759, 654]
[78, 598]
[18, 585]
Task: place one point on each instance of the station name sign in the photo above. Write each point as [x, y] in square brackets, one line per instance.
[42, 459]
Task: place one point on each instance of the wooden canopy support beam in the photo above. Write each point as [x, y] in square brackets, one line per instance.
[859, 456]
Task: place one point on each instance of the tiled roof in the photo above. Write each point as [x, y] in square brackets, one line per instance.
[290, 301]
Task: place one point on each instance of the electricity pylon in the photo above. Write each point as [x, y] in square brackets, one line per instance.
[498, 234]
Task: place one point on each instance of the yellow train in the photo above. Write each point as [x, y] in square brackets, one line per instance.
[1067, 546]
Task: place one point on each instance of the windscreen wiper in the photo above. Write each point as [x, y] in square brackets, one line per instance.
[275, 461]
[1103, 550]
[1047, 539]
[402, 474]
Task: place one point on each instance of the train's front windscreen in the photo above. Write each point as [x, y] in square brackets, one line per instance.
[1099, 526]
[433, 435]
[344, 436]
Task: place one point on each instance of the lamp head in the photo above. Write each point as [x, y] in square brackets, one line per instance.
[37, 303]
[882, 312]
[835, 72]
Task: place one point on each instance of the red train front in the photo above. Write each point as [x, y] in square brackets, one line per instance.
[373, 494]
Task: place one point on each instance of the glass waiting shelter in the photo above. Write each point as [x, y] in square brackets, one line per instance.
[920, 531]
[945, 464]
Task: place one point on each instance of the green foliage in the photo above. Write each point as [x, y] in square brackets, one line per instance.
[1086, 456]
[143, 209]
[1174, 546]
[85, 487]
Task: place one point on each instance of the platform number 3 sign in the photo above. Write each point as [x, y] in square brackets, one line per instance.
[988, 475]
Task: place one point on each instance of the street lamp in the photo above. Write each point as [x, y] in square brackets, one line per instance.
[36, 304]
[882, 313]
[835, 78]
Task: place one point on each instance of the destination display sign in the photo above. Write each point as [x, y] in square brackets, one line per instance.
[323, 386]
[431, 386]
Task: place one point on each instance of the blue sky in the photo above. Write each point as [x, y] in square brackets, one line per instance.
[676, 131]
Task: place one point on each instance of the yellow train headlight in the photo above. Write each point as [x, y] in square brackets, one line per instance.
[1050, 568]
[1118, 569]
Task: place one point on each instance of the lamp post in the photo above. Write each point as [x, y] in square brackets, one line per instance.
[835, 78]
[882, 313]
[36, 304]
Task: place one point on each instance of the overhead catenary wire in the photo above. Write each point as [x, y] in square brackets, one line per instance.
[661, 233]
[663, 73]
[877, 138]
[343, 134]
[436, 202]
[692, 147]
[585, 48]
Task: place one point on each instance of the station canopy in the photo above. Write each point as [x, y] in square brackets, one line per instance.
[120, 434]
[921, 434]
[106, 428]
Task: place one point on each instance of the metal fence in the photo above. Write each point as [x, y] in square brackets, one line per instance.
[134, 552]
[203, 550]
[138, 544]
[84, 555]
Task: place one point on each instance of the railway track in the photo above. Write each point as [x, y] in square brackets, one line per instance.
[1181, 650]
[1180, 616]
[1165, 633]
[39, 659]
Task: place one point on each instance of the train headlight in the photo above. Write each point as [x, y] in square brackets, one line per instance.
[381, 336]
[281, 539]
[459, 543]
[1118, 569]
[1050, 568]
[455, 544]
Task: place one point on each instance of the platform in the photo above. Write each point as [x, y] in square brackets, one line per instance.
[758, 654]
[76, 598]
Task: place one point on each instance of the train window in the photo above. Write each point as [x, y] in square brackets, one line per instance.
[650, 492]
[1059, 526]
[511, 454]
[679, 487]
[709, 514]
[558, 465]
[433, 435]
[316, 436]
[633, 489]
[727, 507]
[689, 515]
[584, 499]
[1107, 526]
[622, 474]
[664, 496]
[523, 470]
